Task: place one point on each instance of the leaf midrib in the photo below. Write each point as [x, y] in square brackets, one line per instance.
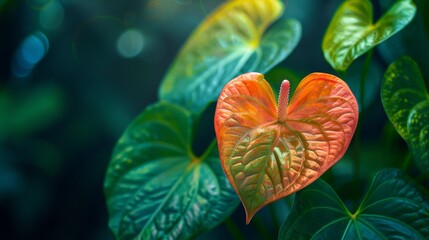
[242, 53]
[178, 182]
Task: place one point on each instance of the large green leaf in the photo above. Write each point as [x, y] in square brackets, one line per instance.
[393, 208]
[269, 151]
[352, 32]
[406, 100]
[229, 42]
[156, 188]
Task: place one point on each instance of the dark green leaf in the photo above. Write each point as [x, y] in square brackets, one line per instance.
[403, 87]
[393, 208]
[418, 130]
[229, 42]
[406, 100]
[156, 187]
[352, 32]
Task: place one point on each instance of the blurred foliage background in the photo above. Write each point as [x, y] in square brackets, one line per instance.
[74, 73]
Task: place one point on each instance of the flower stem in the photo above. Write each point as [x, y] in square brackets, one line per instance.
[209, 149]
[274, 218]
[233, 229]
[407, 161]
[261, 228]
[363, 78]
[358, 136]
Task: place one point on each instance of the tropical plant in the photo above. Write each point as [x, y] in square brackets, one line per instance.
[158, 187]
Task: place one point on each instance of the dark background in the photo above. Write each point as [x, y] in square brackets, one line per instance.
[74, 73]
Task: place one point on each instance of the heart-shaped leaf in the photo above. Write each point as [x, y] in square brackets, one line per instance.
[352, 32]
[156, 188]
[268, 152]
[229, 42]
[393, 208]
[405, 100]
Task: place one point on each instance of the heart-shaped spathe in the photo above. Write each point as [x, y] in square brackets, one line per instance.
[269, 152]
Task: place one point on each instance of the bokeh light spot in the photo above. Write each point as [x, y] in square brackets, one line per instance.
[21, 70]
[30, 52]
[130, 43]
[52, 16]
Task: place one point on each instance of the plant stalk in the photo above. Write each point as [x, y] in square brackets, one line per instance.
[261, 228]
[363, 78]
[233, 229]
[209, 149]
[407, 161]
[274, 217]
[358, 136]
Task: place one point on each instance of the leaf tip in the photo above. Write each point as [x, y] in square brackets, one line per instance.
[249, 215]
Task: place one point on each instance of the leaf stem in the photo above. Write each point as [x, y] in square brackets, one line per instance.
[209, 150]
[233, 229]
[363, 78]
[358, 136]
[274, 217]
[289, 200]
[407, 161]
[261, 228]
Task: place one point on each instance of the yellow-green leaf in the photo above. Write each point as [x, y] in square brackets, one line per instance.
[352, 31]
[230, 41]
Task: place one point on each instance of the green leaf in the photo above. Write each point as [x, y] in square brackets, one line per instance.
[405, 100]
[229, 42]
[352, 32]
[418, 130]
[403, 87]
[156, 187]
[393, 208]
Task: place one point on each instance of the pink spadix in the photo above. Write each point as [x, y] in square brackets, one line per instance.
[283, 101]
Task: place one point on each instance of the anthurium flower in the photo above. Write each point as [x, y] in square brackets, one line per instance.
[270, 151]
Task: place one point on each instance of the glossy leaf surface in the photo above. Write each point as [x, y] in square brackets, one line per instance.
[352, 31]
[156, 188]
[229, 42]
[406, 100]
[393, 208]
[268, 152]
